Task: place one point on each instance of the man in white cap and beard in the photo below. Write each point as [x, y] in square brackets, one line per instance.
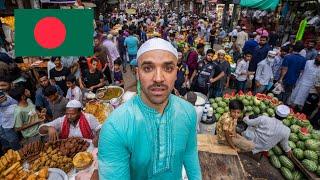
[266, 132]
[74, 124]
[152, 135]
[264, 73]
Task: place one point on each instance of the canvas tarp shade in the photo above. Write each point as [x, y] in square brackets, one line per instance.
[268, 5]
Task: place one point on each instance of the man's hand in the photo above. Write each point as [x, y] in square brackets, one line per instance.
[289, 154]
[212, 81]
[258, 84]
[53, 134]
[95, 141]
[227, 85]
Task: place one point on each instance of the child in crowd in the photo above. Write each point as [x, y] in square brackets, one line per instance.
[242, 72]
[117, 76]
[74, 92]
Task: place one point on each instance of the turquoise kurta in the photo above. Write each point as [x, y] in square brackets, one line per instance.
[137, 142]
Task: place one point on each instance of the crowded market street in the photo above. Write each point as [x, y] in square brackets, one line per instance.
[161, 89]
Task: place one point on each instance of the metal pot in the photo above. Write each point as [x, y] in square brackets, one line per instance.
[104, 89]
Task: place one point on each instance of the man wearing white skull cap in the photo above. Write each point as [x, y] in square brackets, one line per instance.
[73, 124]
[152, 135]
[266, 132]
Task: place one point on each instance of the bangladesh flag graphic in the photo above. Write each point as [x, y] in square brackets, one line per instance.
[53, 32]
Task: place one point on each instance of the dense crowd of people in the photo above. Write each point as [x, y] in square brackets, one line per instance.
[260, 63]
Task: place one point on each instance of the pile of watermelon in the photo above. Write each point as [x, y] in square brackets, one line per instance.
[305, 144]
[258, 104]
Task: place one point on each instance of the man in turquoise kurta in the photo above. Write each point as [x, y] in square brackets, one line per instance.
[152, 135]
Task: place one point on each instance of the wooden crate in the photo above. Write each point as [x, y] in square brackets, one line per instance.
[218, 161]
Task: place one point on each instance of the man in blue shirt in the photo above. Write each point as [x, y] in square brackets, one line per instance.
[131, 43]
[250, 45]
[292, 66]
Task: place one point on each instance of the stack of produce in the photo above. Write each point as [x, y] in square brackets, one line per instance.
[258, 104]
[304, 141]
[280, 161]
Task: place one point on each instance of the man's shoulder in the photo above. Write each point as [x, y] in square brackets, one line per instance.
[183, 106]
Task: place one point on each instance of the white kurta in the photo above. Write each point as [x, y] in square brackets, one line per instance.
[304, 83]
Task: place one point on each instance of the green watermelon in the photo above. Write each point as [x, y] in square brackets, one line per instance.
[270, 152]
[286, 122]
[303, 134]
[220, 110]
[211, 100]
[312, 144]
[265, 114]
[263, 106]
[277, 150]
[303, 123]
[249, 108]
[270, 111]
[214, 105]
[297, 175]
[286, 162]
[256, 110]
[256, 101]
[275, 161]
[292, 144]
[309, 165]
[293, 137]
[286, 173]
[311, 155]
[300, 144]
[218, 99]
[294, 128]
[222, 104]
[318, 171]
[315, 134]
[298, 153]
[217, 116]
[245, 102]
[226, 109]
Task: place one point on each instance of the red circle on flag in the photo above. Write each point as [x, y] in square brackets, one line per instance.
[50, 32]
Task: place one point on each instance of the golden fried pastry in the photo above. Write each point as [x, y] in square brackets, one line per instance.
[32, 177]
[43, 173]
[82, 160]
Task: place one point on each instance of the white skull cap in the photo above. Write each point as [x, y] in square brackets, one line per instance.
[157, 44]
[74, 104]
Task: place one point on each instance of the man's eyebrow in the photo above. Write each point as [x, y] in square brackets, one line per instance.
[150, 62]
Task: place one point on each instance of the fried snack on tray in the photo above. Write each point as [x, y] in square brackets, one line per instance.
[82, 160]
[10, 166]
[98, 110]
[31, 151]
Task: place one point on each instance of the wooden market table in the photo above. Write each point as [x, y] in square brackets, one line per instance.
[218, 161]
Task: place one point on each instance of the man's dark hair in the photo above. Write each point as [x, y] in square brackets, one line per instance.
[120, 31]
[5, 79]
[236, 105]
[117, 62]
[42, 74]
[265, 37]
[298, 46]
[247, 53]
[17, 92]
[71, 78]
[285, 49]
[279, 117]
[50, 90]
[210, 51]
[200, 46]
[53, 58]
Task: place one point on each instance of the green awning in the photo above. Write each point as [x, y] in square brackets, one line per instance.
[268, 5]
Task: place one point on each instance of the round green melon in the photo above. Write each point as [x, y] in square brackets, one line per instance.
[270, 111]
[309, 165]
[315, 134]
[217, 99]
[312, 144]
[277, 150]
[275, 161]
[300, 144]
[286, 122]
[220, 110]
[303, 137]
[245, 102]
[297, 175]
[270, 153]
[293, 137]
[311, 155]
[214, 105]
[298, 153]
[295, 128]
[211, 100]
[292, 144]
[286, 162]
[286, 173]
[222, 104]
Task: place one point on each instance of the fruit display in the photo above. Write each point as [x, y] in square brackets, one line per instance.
[82, 160]
[258, 104]
[305, 145]
[98, 110]
[31, 150]
[10, 166]
[52, 158]
[68, 147]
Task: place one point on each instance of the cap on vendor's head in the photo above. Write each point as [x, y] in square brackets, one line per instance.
[156, 44]
[74, 104]
[282, 111]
